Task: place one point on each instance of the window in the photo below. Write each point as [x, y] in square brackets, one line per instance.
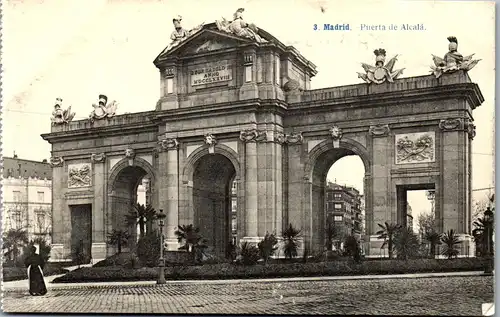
[330, 206]
[337, 218]
[170, 85]
[234, 224]
[233, 205]
[17, 196]
[338, 206]
[329, 195]
[16, 221]
[248, 74]
[338, 196]
[41, 196]
[40, 222]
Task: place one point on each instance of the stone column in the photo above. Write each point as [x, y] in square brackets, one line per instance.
[61, 229]
[98, 209]
[251, 194]
[380, 182]
[169, 190]
[455, 187]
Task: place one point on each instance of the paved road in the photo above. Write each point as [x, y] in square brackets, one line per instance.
[423, 296]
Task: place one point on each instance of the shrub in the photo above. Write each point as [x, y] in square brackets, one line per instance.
[20, 273]
[118, 238]
[352, 248]
[229, 271]
[249, 253]
[267, 247]
[148, 249]
[125, 260]
[450, 241]
[291, 241]
[406, 244]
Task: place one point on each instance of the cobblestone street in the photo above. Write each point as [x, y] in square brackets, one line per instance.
[429, 296]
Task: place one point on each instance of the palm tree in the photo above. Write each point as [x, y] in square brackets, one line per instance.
[194, 243]
[150, 216]
[450, 240]
[118, 238]
[137, 216]
[13, 241]
[267, 247]
[387, 233]
[291, 237]
[434, 239]
[405, 243]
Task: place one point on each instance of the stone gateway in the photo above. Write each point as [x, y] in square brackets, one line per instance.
[224, 117]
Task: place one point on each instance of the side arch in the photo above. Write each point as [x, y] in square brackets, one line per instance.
[326, 145]
[124, 163]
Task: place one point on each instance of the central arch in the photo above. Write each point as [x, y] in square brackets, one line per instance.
[321, 159]
[213, 175]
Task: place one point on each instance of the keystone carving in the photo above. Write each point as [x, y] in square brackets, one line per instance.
[56, 161]
[253, 135]
[130, 154]
[98, 158]
[211, 141]
[336, 134]
[169, 144]
[379, 130]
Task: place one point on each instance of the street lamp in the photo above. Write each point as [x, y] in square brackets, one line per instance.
[161, 277]
[488, 220]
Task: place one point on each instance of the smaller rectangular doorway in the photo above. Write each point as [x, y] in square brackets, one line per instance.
[414, 201]
[81, 233]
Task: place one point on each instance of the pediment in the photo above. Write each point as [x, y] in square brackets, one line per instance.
[206, 40]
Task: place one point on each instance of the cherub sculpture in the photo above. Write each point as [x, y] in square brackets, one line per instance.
[452, 60]
[239, 27]
[60, 116]
[179, 34]
[103, 109]
[380, 73]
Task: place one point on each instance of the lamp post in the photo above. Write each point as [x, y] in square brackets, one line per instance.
[161, 277]
[488, 219]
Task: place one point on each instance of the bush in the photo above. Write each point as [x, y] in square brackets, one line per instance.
[21, 273]
[229, 271]
[148, 249]
[249, 254]
[267, 247]
[125, 260]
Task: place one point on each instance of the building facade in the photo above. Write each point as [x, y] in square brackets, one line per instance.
[27, 192]
[343, 210]
[240, 108]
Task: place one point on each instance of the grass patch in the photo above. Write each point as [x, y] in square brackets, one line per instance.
[231, 271]
[13, 273]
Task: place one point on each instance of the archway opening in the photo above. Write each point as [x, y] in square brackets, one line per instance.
[131, 186]
[338, 201]
[214, 201]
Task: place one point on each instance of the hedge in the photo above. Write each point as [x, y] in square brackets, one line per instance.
[13, 273]
[231, 271]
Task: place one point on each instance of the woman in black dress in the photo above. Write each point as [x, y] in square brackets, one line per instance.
[34, 262]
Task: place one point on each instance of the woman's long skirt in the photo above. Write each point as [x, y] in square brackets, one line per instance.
[37, 284]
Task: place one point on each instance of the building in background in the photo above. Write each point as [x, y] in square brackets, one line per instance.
[27, 197]
[343, 209]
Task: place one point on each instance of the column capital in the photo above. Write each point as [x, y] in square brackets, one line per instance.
[168, 144]
[97, 158]
[56, 161]
[458, 124]
[253, 135]
[379, 130]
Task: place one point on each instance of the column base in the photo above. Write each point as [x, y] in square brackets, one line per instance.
[252, 240]
[98, 251]
[59, 254]
[172, 244]
[373, 247]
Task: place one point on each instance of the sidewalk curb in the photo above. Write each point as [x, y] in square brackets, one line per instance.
[135, 284]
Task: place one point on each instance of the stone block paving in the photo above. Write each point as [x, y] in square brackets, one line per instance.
[425, 296]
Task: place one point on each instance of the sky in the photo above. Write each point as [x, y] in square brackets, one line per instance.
[77, 50]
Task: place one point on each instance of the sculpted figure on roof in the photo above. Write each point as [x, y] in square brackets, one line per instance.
[239, 27]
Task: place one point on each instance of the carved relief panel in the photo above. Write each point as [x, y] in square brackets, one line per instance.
[79, 175]
[414, 148]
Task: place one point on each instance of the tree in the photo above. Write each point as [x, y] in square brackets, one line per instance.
[194, 243]
[13, 241]
[479, 234]
[450, 240]
[434, 239]
[330, 234]
[249, 253]
[118, 238]
[387, 233]
[291, 236]
[268, 246]
[426, 223]
[405, 243]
